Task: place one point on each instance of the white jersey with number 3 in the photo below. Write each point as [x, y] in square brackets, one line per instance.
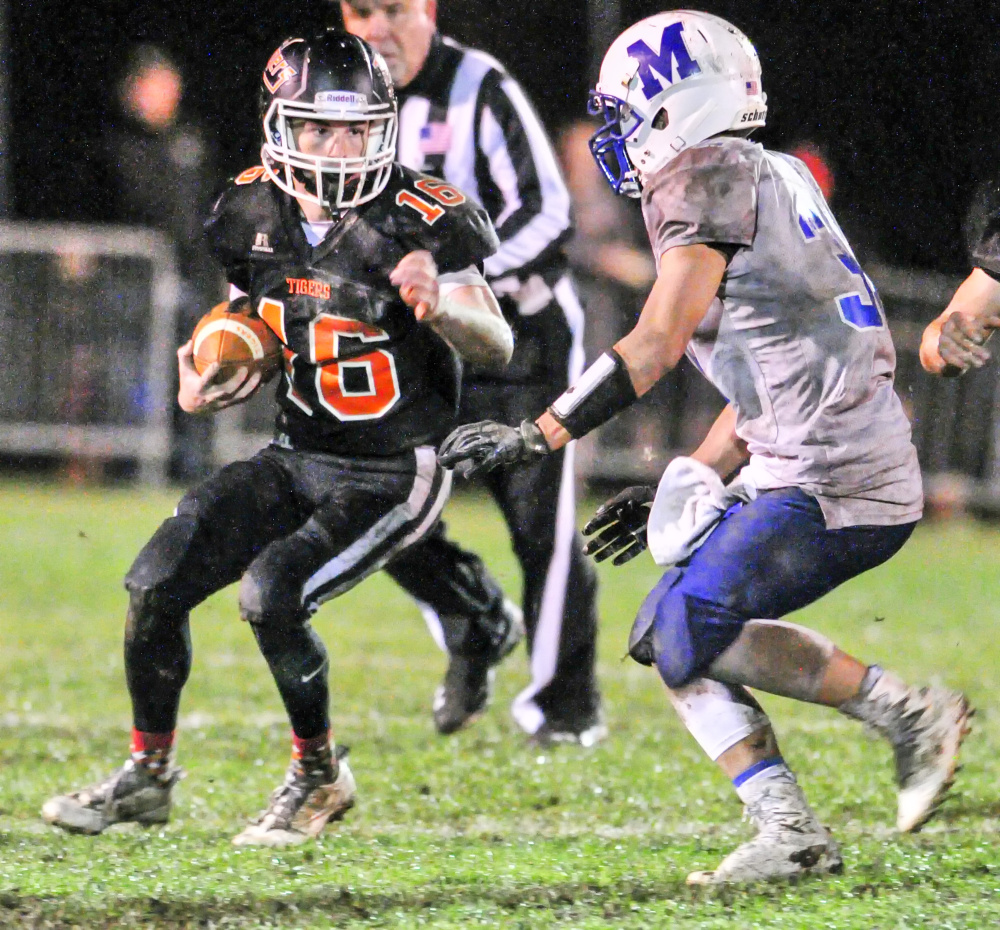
[797, 339]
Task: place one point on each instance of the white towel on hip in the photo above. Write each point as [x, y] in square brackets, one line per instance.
[690, 501]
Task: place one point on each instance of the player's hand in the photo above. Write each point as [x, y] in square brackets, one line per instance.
[480, 447]
[199, 394]
[620, 525]
[416, 278]
[962, 341]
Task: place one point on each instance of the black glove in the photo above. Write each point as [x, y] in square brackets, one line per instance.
[480, 447]
[621, 526]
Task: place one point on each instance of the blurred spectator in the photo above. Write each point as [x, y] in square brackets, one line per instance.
[161, 175]
[984, 205]
[815, 159]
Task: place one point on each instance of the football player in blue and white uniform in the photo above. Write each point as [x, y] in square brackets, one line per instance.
[759, 288]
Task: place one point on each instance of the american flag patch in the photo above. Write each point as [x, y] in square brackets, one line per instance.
[435, 138]
[752, 89]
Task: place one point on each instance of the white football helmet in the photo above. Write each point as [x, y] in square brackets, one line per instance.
[667, 83]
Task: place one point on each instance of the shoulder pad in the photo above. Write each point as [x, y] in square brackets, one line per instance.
[708, 173]
[245, 207]
[428, 213]
[726, 152]
[708, 193]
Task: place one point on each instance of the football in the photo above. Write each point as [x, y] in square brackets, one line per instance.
[235, 337]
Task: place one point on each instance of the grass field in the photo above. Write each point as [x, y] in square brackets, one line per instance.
[478, 829]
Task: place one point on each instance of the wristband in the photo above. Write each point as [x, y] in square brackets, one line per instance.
[603, 390]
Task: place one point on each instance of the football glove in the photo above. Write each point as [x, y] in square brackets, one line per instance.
[480, 447]
[962, 343]
[620, 525]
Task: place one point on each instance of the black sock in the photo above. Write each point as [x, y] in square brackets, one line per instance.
[297, 659]
[157, 665]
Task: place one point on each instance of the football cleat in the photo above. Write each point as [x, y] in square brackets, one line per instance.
[790, 842]
[131, 794]
[468, 683]
[925, 727]
[302, 805]
[586, 732]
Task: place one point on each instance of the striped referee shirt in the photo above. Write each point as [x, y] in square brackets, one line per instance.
[464, 119]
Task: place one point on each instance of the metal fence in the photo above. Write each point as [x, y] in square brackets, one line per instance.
[86, 343]
[87, 318]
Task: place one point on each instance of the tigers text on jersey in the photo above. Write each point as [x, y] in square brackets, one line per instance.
[796, 339]
[361, 376]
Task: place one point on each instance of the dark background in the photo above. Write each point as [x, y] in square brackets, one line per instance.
[903, 95]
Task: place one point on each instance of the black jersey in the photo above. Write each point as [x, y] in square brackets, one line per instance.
[986, 253]
[361, 376]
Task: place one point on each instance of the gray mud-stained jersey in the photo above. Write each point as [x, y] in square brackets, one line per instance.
[361, 376]
[796, 339]
[986, 254]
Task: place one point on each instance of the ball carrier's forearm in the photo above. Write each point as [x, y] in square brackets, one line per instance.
[469, 319]
[459, 307]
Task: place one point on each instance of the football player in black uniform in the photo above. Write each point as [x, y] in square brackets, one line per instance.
[370, 275]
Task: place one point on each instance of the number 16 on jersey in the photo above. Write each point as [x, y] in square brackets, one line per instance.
[362, 387]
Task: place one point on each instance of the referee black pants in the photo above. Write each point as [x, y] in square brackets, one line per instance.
[538, 504]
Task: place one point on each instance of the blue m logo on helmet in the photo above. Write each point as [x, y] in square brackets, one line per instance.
[672, 50]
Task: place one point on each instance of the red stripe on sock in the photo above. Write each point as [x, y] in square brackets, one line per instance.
[151, 742]
[309, 747]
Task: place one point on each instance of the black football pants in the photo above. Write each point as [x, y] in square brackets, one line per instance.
[295, 529]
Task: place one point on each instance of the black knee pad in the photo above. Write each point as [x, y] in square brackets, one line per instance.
[642, 644]
[268, 598]
[154, 580]
[640, 640]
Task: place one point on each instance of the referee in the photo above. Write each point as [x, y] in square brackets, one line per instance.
[463, 118]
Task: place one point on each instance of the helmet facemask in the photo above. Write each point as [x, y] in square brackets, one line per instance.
[608, 144]
[334, 183]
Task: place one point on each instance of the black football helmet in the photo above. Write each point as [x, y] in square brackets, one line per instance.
[332, 76]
